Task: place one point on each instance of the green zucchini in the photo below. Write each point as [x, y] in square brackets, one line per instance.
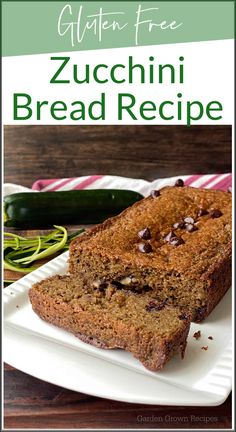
[43, 209]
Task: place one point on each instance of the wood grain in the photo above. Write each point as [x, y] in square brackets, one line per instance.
[33, 152]
[36, 152]
[32, 403]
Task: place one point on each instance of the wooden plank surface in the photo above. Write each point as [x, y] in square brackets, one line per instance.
[149, 152]
[31, 403]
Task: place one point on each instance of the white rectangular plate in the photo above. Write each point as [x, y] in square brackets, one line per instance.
[49, 353]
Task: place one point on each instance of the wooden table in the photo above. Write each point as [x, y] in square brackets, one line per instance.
[33, 152]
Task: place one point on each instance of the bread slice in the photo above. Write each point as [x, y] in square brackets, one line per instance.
[111, 318]
[175, 243]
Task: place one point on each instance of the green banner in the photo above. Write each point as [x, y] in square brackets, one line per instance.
[58, 26]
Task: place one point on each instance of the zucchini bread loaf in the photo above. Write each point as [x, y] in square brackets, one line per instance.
[111, 318]
[176, 244]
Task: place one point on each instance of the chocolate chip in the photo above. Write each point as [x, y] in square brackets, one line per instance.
[229, 189]
[117, 285]
[155, 193]
[169, 236]
[146, 288]
[169, 346]
[202, 212]
[179, 225]
[145, 247]
[172, 239]
[205, 348]
[179, 183]
[99, 285]
[183, 317]
[190, 228]
[145, 234]
[176, 241]
[210, 337]
[197, 335]
[103, 286]
[200, 313]
[189, 220]
[215, 213]
[136, 289]
[176, 225]
[154, 306]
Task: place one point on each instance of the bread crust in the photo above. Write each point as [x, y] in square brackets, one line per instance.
[216, 278]
[106, 331]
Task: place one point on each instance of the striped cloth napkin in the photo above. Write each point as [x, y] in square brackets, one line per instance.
[209, 181]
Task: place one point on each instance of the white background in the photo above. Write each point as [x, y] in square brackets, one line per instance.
[208, 76]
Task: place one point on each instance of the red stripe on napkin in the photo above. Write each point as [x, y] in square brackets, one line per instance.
[41, 184]
[213, 181]
[223, 184]
[88, 182]
[58, 186]
[192, 179]
[210, 180]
